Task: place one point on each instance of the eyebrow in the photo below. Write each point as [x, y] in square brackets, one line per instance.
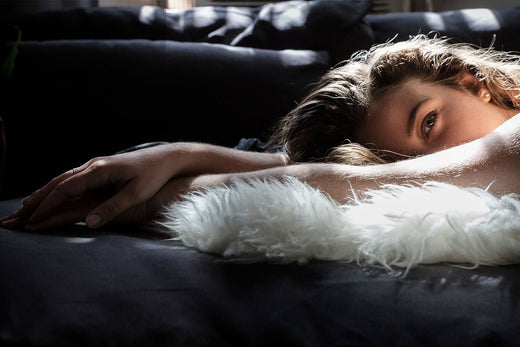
[413, 115]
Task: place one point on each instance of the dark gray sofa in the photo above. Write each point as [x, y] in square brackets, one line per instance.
[91, 82]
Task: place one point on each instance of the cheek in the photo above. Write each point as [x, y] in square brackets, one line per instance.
[466, 129]
[485, 123]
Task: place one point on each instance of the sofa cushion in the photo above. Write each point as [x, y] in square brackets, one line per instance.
[482, 27]
[330, 25]
[126, 287]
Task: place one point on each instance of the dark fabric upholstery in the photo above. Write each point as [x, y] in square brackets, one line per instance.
[92, 82]
[72, 100]
[482, 27]
[334, 26]
[127, 287]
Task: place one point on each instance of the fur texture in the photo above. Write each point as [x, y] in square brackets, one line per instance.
[288, 221]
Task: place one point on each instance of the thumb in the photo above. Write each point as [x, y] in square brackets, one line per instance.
[111, 208]
[94, 220]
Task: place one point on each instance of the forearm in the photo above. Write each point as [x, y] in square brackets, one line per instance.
[192, 159]
[492, 161]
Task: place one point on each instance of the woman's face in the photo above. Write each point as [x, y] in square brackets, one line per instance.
[417, 118]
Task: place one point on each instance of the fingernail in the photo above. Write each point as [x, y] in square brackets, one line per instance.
[93, 221]
[12, 223]
[8, 222]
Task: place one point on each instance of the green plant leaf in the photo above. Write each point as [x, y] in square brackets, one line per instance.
[7, 68]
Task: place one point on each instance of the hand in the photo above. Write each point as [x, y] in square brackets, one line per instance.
[98, 191]
[122, 185]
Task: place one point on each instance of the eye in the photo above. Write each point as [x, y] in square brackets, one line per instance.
[429, 122]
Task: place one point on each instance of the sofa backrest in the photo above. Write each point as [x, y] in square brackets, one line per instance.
[482, 26]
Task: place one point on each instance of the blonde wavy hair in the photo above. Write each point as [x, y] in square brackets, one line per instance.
[322, 126]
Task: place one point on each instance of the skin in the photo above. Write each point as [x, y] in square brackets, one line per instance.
[122, 187]
[444, 117]
[132, 187]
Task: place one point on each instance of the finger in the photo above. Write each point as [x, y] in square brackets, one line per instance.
[9, 216]
[125, 199]
[13, 223]
[71, 212]
[13, 215]
[27, 199]
[68, 190]
[25, 211]
[31, 203]
[12, 220]
[69, 216]
[35, 199]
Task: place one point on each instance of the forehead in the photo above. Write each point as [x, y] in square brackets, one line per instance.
[385, 127]
[402, 91]
[390, 108]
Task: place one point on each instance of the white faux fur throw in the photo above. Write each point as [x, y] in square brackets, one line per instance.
[288, 221]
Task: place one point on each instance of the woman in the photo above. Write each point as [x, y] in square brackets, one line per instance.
[449, 108]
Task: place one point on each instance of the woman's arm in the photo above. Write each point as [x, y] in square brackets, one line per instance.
[105, 187]
[190, 159]
[490, 162]
[493, 161]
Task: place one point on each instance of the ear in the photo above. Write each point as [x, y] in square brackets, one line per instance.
[484, 94]
[471, 83]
